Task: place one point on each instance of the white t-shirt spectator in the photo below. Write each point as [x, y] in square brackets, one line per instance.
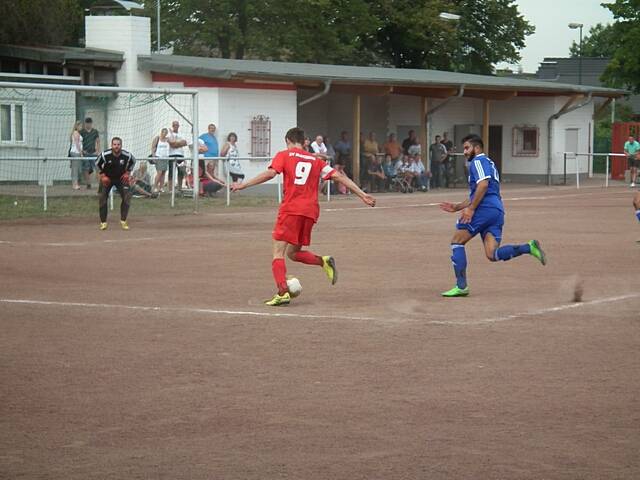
[417, 167]
[175, 136]
[319, 148]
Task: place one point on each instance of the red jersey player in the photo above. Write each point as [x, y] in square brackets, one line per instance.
[299, 210]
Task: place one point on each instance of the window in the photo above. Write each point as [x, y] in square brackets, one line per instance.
[12, 123]
[261, 136]
[526, 141]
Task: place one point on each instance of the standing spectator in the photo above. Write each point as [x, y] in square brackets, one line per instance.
[210, 141]
[371, 148]
[160, 148]
[392, 147]
[410, 140]
[631, 148]
[90, 148]
[437, 155]
[75, 152]
[177, 142]
[343, 149]
[331, 152]
[319, 148]
[449, 160]
[230, 151]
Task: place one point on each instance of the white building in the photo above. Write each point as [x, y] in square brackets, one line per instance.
[526, 125]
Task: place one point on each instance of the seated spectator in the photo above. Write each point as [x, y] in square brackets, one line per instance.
[377, 178]
[403, 168]
[306, 145]
[319, 148]
[209, 182]
[140, 185]
[389, 169]
[420, 174]
[392, 147]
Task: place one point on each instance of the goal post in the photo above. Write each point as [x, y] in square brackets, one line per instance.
[37, 120]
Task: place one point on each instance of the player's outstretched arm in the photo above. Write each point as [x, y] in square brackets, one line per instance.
[257, 180]
[350, 184]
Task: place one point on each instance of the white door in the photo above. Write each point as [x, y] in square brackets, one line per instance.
[571, 147]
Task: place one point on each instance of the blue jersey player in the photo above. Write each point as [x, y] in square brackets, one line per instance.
[482, 213]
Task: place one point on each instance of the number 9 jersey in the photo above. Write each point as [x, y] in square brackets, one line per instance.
[301, 173]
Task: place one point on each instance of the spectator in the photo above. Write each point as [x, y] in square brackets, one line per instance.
[343, 149]
[371, 148]
[377, 177]
[631, 149]
[319, 148]
[210, 141]
[230, 151]
[437, 156]
[420, 175]
[75, 152]
[160, 149]
[389, 169]
[177, 142]
[410, 140]
[331, 152]
[209, 182]
[403, 169]
[392, 147]
[415, 148]
[90, 148]
[306, 145]
[141, 183]
[448, 161]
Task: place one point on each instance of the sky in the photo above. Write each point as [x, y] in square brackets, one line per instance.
[553, 37]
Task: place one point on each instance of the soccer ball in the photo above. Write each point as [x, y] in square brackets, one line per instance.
[294, 285]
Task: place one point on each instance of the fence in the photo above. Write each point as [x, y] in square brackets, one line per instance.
[576, 157]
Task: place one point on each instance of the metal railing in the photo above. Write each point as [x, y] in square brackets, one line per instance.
[576, 157]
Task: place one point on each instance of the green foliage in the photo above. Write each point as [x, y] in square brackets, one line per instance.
[624, 68]
[44, 22]
[402, 33]
[600, 42]
[490, 31]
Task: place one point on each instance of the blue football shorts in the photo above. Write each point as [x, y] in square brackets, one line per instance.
[485, 220]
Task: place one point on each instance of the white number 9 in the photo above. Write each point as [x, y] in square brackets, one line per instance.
[303, 169]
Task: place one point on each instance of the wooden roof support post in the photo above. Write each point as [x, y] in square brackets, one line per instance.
[485, 124]
[355, 145]
[423, 128]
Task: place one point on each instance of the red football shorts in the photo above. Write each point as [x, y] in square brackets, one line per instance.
[293, 229]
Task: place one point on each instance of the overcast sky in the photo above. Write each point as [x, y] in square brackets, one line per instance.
[553, 37]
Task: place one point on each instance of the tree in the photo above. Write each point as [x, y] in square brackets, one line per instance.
[42, 22]
[624, 68]
[600, 42]
[492, 31]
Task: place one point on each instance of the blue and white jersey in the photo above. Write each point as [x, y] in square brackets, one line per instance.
[482, 168]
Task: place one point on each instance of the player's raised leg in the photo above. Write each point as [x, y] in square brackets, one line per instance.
[459, 263]
[495, 252]
[279, 270]
[328, 263]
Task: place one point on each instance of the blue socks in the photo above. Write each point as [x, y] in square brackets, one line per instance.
[508, 252]
[459, 261]
[638, 215]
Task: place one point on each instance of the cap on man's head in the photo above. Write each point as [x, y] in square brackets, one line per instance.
[88, 120]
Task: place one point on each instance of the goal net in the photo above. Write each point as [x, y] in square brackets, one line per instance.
[39, 159]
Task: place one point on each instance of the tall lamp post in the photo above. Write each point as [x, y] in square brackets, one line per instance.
[452, 17]
[573, 26]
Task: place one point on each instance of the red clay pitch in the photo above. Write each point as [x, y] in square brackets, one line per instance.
[149, 354]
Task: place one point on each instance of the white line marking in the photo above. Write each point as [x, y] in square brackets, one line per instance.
[179, 309]
[536, 313]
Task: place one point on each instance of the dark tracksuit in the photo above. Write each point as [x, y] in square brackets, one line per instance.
[114, 167]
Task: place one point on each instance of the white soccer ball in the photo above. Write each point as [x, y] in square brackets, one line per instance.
[294, 285]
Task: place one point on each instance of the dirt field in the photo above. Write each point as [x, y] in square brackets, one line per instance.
[149, 354]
